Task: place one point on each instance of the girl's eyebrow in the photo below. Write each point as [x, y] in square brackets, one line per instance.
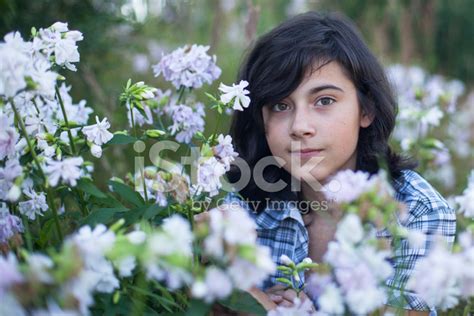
[324, 87]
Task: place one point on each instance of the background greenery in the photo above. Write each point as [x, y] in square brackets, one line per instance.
[123, 38]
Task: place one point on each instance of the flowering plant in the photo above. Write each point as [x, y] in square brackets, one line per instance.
[146, 245]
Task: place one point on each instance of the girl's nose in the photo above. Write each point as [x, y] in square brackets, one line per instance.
[302, 125]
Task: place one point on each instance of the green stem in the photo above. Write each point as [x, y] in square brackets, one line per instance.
[35, 159]
[142, 171]
[216, 127]
[69, 134]
[139, 298]
[29, 244]
[55, 214]
[181, 93]
[28, 141]
[144, 184]
[82, 203]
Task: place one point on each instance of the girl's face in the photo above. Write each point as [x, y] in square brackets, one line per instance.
[316, 128]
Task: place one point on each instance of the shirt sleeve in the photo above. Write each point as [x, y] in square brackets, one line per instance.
[433, 222]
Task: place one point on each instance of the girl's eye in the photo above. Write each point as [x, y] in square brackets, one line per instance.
[325, 101]
[280, 107]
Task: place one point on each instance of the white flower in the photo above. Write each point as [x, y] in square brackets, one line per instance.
[218, 284]
[126, 266]
[14, 64]
[96, 151]
[66, 52]
[14, 193]
[299, 308]
[307, 260]
[246, 274]
[209, 173]
[136, 237]
[436, 278]
[346, 186]
[199, 289]
[350, 229]
[224, 150]
[39, 265]
[364, 301]
[331, 300]
[240, 228]
[416, 238]
[431, 118]
[466, 200]
[284, 259]
[238, 93]
[98, 133]
[94, 243]
[59, 27]
[69, 170]
[81, 288]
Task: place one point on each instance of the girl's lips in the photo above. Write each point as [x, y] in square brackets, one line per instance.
[307, 153]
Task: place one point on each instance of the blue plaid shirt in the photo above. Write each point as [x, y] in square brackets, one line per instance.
[284, 232]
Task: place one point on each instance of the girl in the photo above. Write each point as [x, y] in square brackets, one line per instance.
[321, 103]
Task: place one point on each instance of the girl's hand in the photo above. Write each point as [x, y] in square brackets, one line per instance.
[283, 296]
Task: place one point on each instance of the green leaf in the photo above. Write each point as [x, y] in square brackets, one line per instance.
[285, 281]
[88, 186]
[164, 302]
[133, 215]
[155, 133]
[152, 211]
[127, 193]
[121, 139]
[197, 308]
[102, 215]
[46, 233]
[210, 96]
[244, 302]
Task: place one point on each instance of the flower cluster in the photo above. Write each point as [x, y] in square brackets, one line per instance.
[466, 200]
[422, 98]
[359, 271]
[213, 164]
[443, 278]
[95, 260]
[189, 66]
[231, 242]
[9, 225]
[21, 60]
[187, 121]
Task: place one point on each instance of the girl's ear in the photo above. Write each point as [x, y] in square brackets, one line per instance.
[366, 120]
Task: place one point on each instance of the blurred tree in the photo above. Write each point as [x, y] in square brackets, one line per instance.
[434, 33]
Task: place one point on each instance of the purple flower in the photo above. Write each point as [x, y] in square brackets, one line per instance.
[186, 121]
[188, 66]
[9, 225]
[8, 136]
[10, 273]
